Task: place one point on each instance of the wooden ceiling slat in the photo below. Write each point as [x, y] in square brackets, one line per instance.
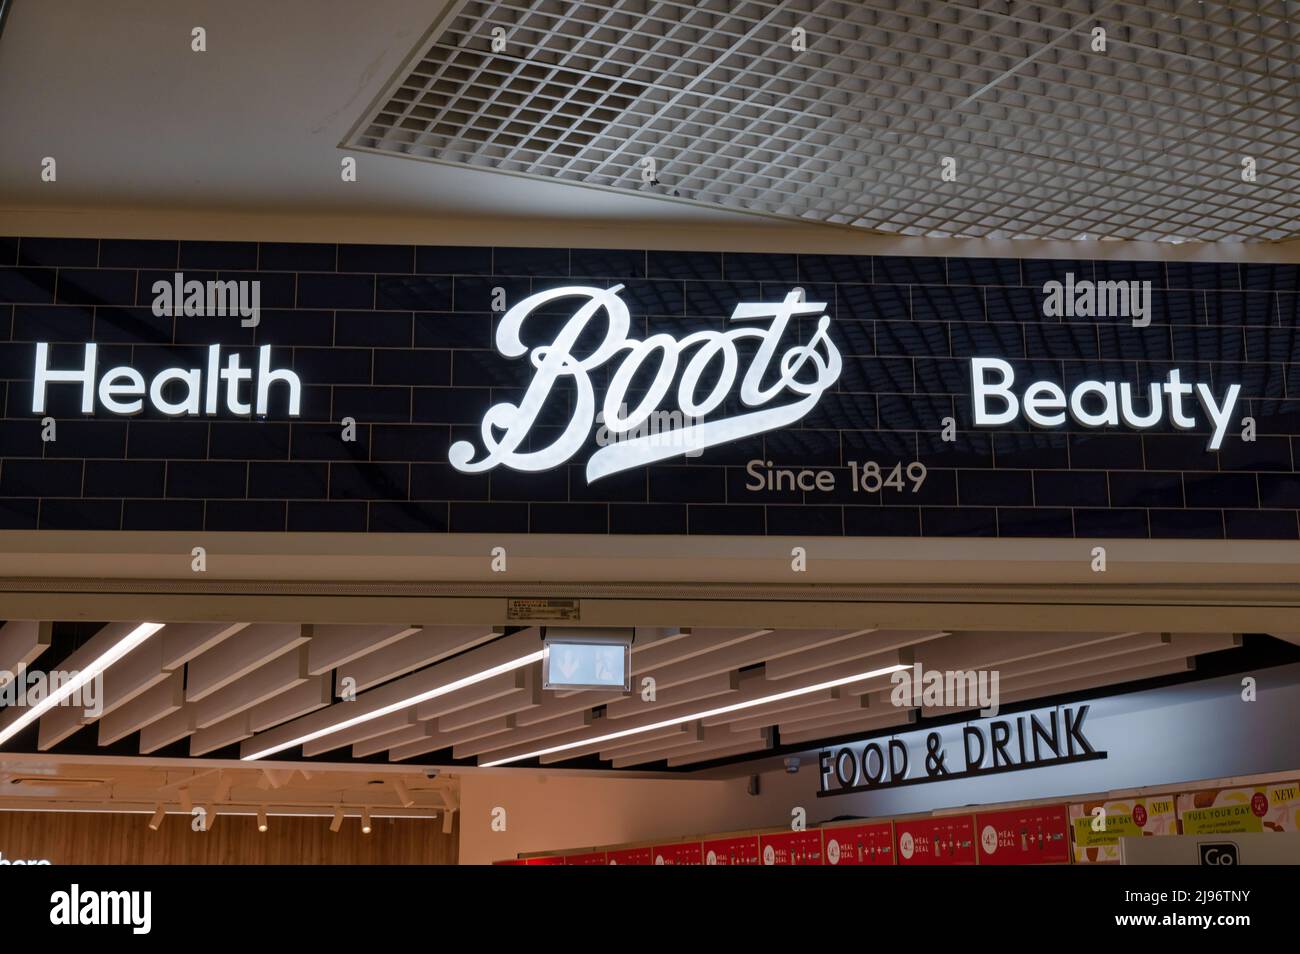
[163, 732]
[856, 647]
[239, 655]
[334, 645]
[157, 703]
[22, 642]
[182, 642]
[313, 694]
[261, 685]
[430, 645]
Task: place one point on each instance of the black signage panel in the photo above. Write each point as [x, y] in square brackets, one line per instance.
[161, 385]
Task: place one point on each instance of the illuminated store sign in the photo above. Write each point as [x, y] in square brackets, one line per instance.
[801, 374]
[173, 391]
[963, 750]
[1094, 403]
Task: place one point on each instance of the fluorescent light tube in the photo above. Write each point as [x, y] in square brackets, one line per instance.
[129, 642]
[705, 714]
[397, 706]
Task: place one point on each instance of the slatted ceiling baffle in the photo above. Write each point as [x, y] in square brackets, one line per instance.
[710, 687]
[360, 732]
[423, 648]
[22, 642]
[162, 700]
[1052, 140]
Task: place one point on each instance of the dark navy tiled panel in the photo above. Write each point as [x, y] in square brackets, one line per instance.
[400, 338]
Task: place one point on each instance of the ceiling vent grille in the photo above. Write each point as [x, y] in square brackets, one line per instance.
[1051, 138]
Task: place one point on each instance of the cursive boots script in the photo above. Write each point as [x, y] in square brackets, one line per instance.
[803, 371]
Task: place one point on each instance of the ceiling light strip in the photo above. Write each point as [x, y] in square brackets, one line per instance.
[704, 714]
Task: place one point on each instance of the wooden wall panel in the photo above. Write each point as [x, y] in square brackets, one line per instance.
[101, 839]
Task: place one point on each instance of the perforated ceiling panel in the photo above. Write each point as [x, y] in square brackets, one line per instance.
[1147, 139]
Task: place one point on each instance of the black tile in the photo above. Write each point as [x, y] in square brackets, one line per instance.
[955, 303]
[409, 442]
[654, 297]
[27, 285]
[336, 291]
[138, 253]
[162, 515]
[249, 440]
[66, 252]
[235, 255]
[984, 271]
[104, 438]
[164, 440]
[1036, 450]
[1128, 524]
[207, 479]
[489, 517]
[912, 339]
[882, 521]
[1040, 522]
[310, 441]
[21, 438]
[741, 519]
[372, 404]
[855, 269]
[904, 270]
[80, 515]
[1013, 304]
[516, 485]
[1125, 271]
[568, 518]
[334, 365]
[1176, 452]
[1106, 451]
[369, 481]
[959, 522]
[966, 450]
[22, 514]
[297, 257]
[852, 412]
[978, 340]
[760, 267]
[245, 515]
[1001, 488]
[1263, 277]
[132, 326]
[435, 330]
[398, 259]
[608, 263]
[1270, 343]
[1222, 307]
[279, 481]
[450, 405]
[479, 369]
[1203, 275]
[815, 520]
[873, 303]
[1279, 490]
[296, 327]
[1186, 524]
[943, 376]
[420, 367]
[718, 299]
[401, 517]
[653, 518]
[887, 375]
[1124, 342]
[700, 266]
[802, 447]
[1260, 524]
[1220, 490]
[1061, 489]
[336, 516]
[444, 482]
[1263, 453]
[1040, 271]
[8, 250]
[71, 323]
[1138, 489]
[40, 478]
[374, 329]
[1214, 343]
[688, 484]
[414, 293]
[529, 261]
[455, 260]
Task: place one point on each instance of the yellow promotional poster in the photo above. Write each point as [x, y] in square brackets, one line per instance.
[1098, 826]
[1222, 811]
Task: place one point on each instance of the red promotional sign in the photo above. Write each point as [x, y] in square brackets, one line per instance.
[1034, 835]
[630, 856]
[732, 851]
[509, 861]
[548, 860]
[792, 848]
[685, 853]
[591, 858]
[948, 840]
[859, 844]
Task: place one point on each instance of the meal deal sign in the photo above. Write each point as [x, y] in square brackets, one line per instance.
[947, 840]
[631, 856]
[792, 848]
[1033, 835]
[683, 853]
[732, 851]
[859, 844]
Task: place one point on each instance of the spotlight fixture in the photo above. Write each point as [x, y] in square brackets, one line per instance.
[261, 819]
[365, 821]
[157, 818]
[337, 822]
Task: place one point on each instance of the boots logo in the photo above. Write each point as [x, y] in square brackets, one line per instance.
[704, 366]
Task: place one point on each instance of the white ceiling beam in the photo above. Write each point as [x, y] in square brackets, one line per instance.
[710, 740]
[528, 696]
[856, 647]
[501, 652]
[163, 732]
[182, 642]
[847, 705]
[710, 687]
[157, 703]
[772, 709]
[506, 684]
[570, 728]
[813, 730]
[313, 694]
[334, 645]
[424, 648]
[232, 730]
[411, 733]
[1067, 685]
[261, 685]
[688, 732]
[772, 645]
[435, 741]
[22, 642]
[976, 650]
[691, 756]
[239, 655]
[359, 733]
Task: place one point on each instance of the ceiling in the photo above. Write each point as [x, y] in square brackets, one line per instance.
[472, 695]
[1051, 139]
